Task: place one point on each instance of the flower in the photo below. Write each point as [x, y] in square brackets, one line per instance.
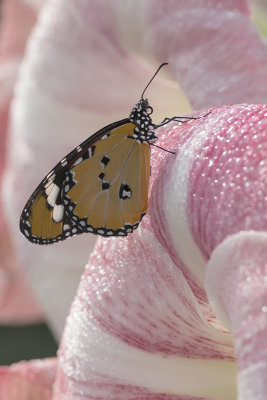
[141, 325]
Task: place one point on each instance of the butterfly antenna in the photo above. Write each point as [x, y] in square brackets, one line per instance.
[159, 68]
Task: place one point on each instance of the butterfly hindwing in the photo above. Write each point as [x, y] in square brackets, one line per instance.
[100, 187]
[107, 194]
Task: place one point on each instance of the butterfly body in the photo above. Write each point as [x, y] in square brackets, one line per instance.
[100, 187]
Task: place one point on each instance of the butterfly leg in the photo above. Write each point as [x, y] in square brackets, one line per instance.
[179, 119]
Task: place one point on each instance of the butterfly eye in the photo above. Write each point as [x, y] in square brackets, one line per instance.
[149, 110]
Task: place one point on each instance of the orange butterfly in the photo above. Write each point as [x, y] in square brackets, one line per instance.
[101, 186]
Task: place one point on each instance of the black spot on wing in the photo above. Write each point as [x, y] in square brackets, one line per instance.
[125, 191]
[104, 161]
[105, 185]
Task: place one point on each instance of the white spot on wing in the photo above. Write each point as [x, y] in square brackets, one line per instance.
[58, 212]
[63, 162]
[52, 196]
[48, 187]
[51, 175]
[78, 161]
[126, 193]
[104, 137]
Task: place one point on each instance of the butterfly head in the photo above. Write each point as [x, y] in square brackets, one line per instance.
[141, 113]
[140, 116]
[144, 106]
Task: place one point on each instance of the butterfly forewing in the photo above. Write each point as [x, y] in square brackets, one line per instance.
[44, 219]
[100, 187]
[103, 194]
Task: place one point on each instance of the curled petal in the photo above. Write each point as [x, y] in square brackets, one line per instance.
[237, 288]
[219, 177]
[136, 328]
[214, 49]
[17, 302]
[141, 311]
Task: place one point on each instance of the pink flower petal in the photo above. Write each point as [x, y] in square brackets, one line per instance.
[223, 179]
[28, 380]
[17, 303]
[232, 70]
[141, 316]
[211, 54]
[237, 287]
[136, 327]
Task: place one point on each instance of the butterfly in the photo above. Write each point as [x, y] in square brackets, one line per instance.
[101, 186]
